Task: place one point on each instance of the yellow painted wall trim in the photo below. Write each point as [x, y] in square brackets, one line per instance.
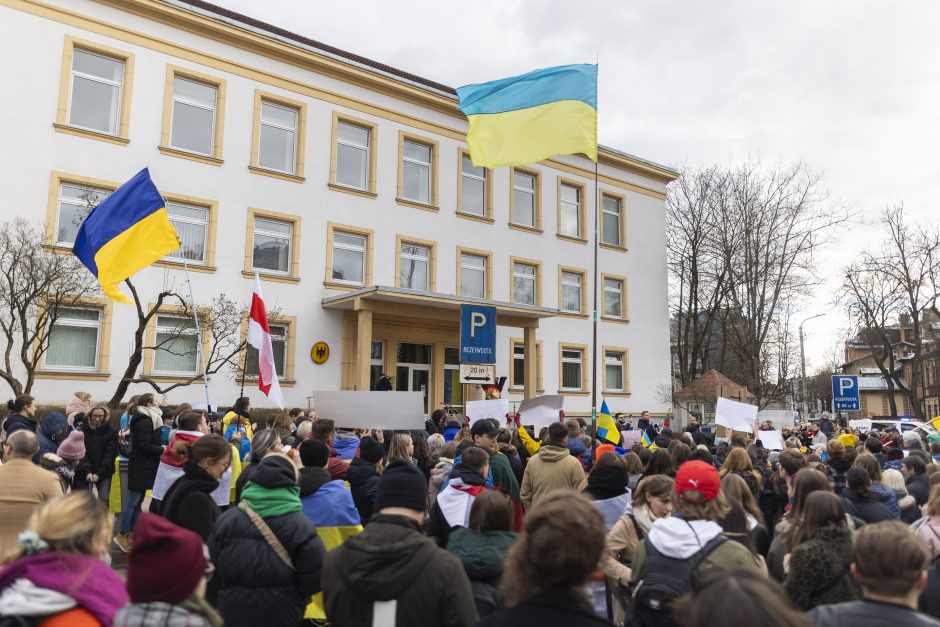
[87, 134]
[336, 187]
[300, 136]
[293, 276]
[369, 236]
[470, 216]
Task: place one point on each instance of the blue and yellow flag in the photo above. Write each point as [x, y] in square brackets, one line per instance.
[126, 233]
[645, 439]
[606, 427]
[527, 118]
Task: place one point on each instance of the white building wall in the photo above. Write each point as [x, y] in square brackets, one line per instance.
[34, 149]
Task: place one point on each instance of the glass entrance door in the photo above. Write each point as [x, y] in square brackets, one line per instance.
[413, 370]
[453, 390]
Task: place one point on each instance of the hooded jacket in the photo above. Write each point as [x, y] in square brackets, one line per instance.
[835, 470]
[54, 429]
[252, 586]
[364, 483]
[819, 570]
[869, 508]
[15, 422]
[452, 507]
[482, 556]
[887, 497]
[553, 468]
[918, 486]
[345, 445]
[578, 449]
[392, 560]
[868, 613]
[100, 452]
[189, 504]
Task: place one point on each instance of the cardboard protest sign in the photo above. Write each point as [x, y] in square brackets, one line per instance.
[541, 411]
[772, 440]
[372, 410]
[496, 408]
[734, 415]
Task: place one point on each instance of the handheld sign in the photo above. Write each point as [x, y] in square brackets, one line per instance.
[734, 415]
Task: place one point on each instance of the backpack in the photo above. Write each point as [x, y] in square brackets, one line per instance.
[125, 442]
[661, 580]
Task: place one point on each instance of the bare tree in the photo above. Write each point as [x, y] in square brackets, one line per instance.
[36, 287]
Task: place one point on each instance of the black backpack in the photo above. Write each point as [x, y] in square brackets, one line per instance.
[661, 580]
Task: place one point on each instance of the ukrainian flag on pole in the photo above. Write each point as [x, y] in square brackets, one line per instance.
[527, 118]
[606, 427]
[126, 233]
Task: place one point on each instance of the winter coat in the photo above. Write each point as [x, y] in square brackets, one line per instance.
[887, 497]
[929, 601]
[15, 422]
[819, 570]
[189, 504]
[464, 485]
[345, 445]
[929, 532]
[243, 478]
[545, 610]
[100, 452]
[439, 475]
[392, 560]
[868, 507]
[364, 484]
[53, 430]
[24, 486]
[577, 448]
[252, 586]
[835, 470]
[868, 613]
[515, 463]
[145, 453]
[189, 613]
[503, 477]
[910, 512]
[918, 486]
[553, 468]
[608, 482]
[450, 433]
[482, 556]
[622, 541]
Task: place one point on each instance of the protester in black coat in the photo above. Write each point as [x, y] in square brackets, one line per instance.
[252, 584]
[858, 499]
[463, 479]
[189, 502]
[147, 448]
[363, 476]
[100, 452]
[915, 475]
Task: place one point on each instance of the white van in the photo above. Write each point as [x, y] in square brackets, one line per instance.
[867, 424]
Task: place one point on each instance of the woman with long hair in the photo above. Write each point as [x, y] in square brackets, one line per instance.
[189, 503]
[281, 425]
[421, 453]
[736, 489]
[265, 442]
[57, 571]
[679, 452]
[634, 468]
[880, 492]
[97, 466]
[739, 462]
[805, 482]
[660, 463]
[401, 447]
[145, 424]
[859, 500]
[817, 567]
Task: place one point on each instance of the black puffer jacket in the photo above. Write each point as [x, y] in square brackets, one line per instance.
[364, 483]
[189, 502]
[252, 586]
[865, 507]
[100, 451]
[145, 454]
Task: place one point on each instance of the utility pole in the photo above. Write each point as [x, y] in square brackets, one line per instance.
[803, 366]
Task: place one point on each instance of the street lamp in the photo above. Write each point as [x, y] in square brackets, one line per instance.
[803, 366]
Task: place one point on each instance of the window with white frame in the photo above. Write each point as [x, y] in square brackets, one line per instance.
[416, 172]
[472, 188]
[279, 344]
[613, 371]
[571, 364]
[271, 249]
[611, 221]
[175, 345]
[96, 92]
[571, 292]
[352, 155]
[570, 218]
[74, 339]
[472, 275]
[277, 141]
[414, 266]
[523, 199]
[192, 227]
[75, 203]
[349, 257]
[613, 298]
[524, 277]
[194, 111]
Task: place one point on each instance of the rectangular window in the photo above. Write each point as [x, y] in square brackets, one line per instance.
[75, 203]
[524, 278]
[518, 365]
[192, 226]
[571, 292]
[352, 155]
[376, 363]
[96, 92]
[569, 218]
[414, 266]
[73, 340]
[278, 137]
[193, 116]
[472, 188]
[472, 275]
[416, 172]
[175, 345]
[271, 249]
[349, 257]
[611, 226]
[613, 372]
[613, 298]
[279, 343]
[571, 365]
[523, 199]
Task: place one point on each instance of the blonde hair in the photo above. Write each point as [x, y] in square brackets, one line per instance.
[84, 396]
[894, 480]
[398, 449]
[303, 430]
[738, 461]
[69, 524]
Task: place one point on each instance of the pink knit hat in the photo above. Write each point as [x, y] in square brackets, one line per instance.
[72, 447]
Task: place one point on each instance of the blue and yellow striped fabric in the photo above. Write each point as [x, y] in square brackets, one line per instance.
[606, 427]
[527, 118]
[127, 232]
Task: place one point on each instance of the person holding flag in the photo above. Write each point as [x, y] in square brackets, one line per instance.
[606, 427]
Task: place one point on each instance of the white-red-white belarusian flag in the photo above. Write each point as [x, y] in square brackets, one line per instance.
[259, 336]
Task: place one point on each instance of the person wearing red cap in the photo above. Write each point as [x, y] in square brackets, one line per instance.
[167, 570]
[688, 542]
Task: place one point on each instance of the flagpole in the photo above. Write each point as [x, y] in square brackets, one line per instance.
[596, 248]
[202, 361]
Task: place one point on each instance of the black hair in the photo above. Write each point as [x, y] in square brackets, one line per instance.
[858, 479]
[17, 405]
[915, 463]
[557, 432]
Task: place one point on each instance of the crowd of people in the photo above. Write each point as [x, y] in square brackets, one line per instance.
[254, 518]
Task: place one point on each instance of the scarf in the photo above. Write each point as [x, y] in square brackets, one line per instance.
[270, 502]
[644, 518]
[201, 607]
[156, 416]
[87, 579]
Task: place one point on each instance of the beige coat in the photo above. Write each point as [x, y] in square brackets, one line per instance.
[23, 486]
[553, 468]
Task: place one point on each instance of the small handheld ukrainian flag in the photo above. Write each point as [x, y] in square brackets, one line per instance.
[527, 118]
[126, 233]
[606, 427]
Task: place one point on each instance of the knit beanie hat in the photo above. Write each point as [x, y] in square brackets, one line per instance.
[402, 485]
[165, 563]
[313, 454]
[370, 450]
[894, 454]
[72, 447]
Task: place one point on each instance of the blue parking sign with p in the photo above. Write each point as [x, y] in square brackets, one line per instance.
[845, 392]
[477, 334]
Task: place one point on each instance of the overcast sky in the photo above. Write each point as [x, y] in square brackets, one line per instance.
[851, 87]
